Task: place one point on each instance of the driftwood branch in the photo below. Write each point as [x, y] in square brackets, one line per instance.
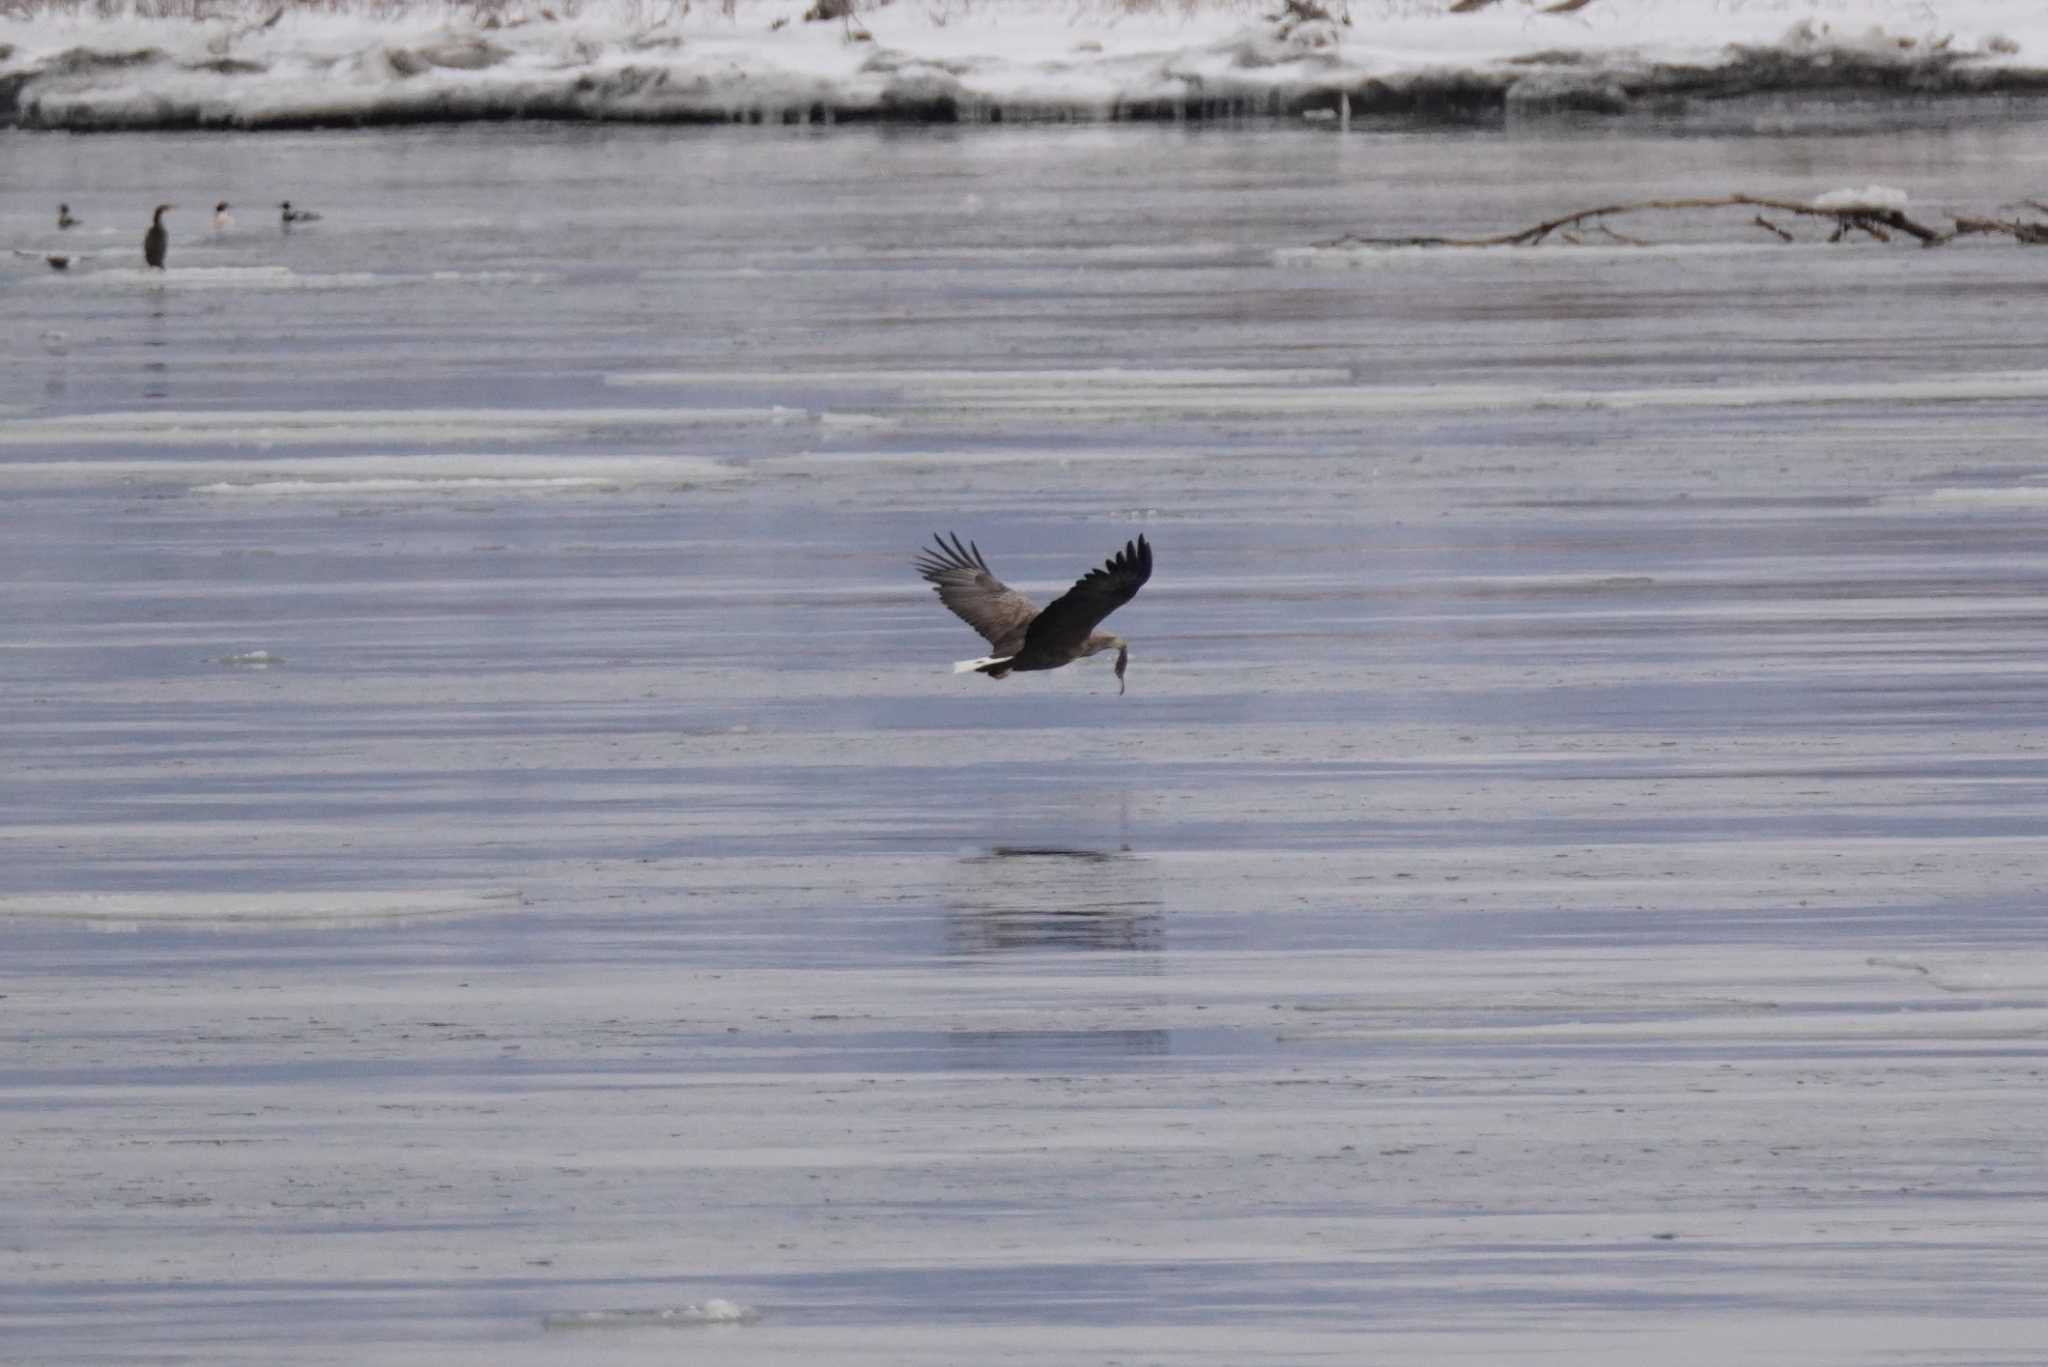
[1879, 223]
[1773, 228]
[1623, 238]
[2033, 234]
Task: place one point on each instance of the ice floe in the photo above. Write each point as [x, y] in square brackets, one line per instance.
[716, 1310]
[338, 907]
[414, 474]
[235, 278]
[314, 427]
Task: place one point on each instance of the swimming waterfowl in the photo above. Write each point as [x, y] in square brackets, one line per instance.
[64, 218]
[1022, 636]
[157, 238]
[288, 215]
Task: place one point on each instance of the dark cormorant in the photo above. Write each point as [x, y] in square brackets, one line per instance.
[1022, 635]
[157, 238]
[288, 215]
[57, 261]
[64, 218]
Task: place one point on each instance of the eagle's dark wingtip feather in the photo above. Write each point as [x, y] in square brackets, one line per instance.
[1135, 557]
[931, 562]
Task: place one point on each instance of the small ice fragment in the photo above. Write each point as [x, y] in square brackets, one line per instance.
[1876, 198]
[252, 659]
[717, 1310]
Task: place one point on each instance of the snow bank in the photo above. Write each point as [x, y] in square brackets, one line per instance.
[971, 60]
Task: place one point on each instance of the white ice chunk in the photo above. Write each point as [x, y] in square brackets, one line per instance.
[337, 907]
[301, 427]
[714, 1311]
[372, 488]
[1877, 198]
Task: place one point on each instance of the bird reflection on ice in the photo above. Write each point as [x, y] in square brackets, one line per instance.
[1049, 897]
[998, 852]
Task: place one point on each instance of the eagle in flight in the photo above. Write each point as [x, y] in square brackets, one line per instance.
[1020, 634]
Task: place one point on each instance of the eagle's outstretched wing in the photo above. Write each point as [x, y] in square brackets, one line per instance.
[1069, 619]
[966, 585]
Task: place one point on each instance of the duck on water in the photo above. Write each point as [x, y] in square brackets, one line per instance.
[157, 238]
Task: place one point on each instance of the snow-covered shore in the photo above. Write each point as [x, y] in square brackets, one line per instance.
[979, 60]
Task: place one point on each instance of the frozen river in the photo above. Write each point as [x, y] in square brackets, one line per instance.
[491, 852]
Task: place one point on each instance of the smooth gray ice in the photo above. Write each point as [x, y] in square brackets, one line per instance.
[489, 841]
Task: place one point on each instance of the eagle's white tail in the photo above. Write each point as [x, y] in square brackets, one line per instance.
[969, 666]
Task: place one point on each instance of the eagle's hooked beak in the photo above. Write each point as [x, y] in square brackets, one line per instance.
[1123, 657]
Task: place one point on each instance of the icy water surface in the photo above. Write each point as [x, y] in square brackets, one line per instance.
[496, 864]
